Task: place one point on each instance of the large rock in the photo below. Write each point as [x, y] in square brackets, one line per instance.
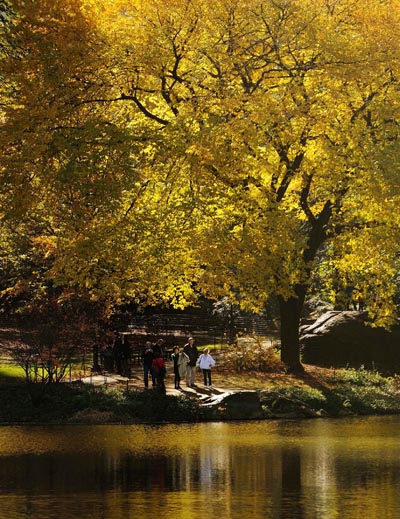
[233, 405]
[257, 405]
[286, 404]
[345, 338]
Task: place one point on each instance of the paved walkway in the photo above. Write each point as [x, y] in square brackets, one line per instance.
[136, 382]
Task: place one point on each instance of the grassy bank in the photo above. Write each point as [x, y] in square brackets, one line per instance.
[319, 392]
[82, 403]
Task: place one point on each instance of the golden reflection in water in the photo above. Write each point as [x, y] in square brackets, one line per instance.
[327, 469]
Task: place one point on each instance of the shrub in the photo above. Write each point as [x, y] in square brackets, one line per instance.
[364, 392]
[360, 377]
[81, 403]
[252, 354]
[151, 406]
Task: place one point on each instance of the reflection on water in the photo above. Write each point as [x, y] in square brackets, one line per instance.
[299, 469]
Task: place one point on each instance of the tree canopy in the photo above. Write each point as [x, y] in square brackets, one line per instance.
[154, 150]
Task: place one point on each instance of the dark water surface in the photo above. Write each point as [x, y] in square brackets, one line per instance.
[326, 469]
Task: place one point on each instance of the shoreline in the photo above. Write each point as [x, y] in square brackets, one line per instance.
[77, 403]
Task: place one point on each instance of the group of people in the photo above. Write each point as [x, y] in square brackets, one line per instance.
[118, 356]
[185, 361]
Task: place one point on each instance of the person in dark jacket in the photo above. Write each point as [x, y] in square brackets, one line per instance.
[126, 357]
[158, 367]
[193, 354]
[147, 359]
[175, 360]
[159, 348]
[117, 352]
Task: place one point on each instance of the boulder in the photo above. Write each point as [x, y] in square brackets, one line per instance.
[233, 405]
[346, 338]
[276, 404]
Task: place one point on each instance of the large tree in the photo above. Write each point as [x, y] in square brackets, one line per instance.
[211, 147]
[287, 115]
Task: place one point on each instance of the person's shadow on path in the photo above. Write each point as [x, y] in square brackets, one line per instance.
[201, 390]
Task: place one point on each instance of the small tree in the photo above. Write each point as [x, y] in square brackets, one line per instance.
[46, 354]
[54, 331]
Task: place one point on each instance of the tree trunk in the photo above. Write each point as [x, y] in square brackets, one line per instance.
[291, 309]
[96, 364]
[290, 312]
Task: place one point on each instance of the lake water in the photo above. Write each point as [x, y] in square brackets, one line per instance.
[347, 469]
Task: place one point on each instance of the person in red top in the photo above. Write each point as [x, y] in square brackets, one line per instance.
[158, 367]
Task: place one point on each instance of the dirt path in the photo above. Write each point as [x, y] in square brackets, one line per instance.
[136, 382]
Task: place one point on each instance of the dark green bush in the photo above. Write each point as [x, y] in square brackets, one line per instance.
[62, 401]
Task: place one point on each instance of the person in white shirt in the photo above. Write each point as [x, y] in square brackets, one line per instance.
[206, 362]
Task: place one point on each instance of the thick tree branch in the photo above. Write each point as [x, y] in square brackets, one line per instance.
[304, 199]
[291, 168]
[144, 110]
[318, 233]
